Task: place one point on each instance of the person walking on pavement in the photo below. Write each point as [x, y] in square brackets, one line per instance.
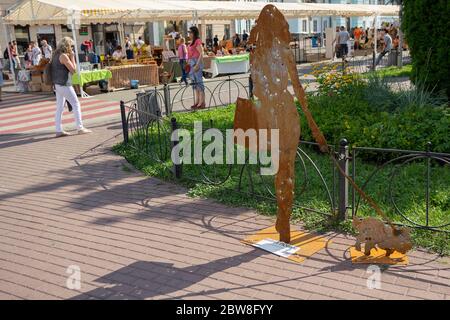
[343, 38]
[62, 66]
[183, 57]
[387, 46]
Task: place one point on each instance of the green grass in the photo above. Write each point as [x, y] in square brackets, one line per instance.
[392, 72]
[408, 186]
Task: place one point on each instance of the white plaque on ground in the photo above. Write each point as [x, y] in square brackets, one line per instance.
[276, 247]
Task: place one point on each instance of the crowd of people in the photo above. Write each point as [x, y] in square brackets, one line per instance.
[32, 55]
[388, 39]
[229, 46]
[128, 50]
[11, 58]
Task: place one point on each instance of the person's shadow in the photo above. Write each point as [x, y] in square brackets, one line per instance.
[147, 279]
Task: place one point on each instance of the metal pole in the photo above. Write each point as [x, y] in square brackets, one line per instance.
[321, 32]
[74, 35]
[374, 41]
[167, 99]
[427, 194]
[176, 167]
[400, 36]
[354, 179]
[121, 33]
[124, 122]
[343, 183]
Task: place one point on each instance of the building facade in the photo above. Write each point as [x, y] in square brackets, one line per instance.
[316, 24]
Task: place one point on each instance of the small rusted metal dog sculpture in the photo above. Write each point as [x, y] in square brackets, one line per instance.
[375, 233]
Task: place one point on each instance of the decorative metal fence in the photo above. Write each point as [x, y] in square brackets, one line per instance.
[307, 50]
[176, 97]
[149, 132]
[393, 169]
[148, 127]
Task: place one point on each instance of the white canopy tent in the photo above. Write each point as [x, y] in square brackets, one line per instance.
[103, 11]
[71, 12]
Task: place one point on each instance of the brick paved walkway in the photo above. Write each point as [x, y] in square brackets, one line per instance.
[35, 112]
[70, 201]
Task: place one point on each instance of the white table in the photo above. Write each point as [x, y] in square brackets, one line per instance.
[228, 67]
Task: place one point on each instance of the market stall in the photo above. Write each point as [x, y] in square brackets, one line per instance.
[232, 64]
[173, 68]
[93, 76]
[122, 76]
[88, 77]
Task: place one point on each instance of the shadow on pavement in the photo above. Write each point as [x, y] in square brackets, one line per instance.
[159, 278]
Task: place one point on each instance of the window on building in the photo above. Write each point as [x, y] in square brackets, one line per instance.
[304, 26]
[66, 31]
[315, 26]
[22, 36]
[209, 35]
[226, 31]
[209, 31]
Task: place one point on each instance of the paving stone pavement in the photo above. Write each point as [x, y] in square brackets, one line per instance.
[71, 203]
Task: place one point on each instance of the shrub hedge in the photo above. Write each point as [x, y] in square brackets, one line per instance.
[372, 115]
[426, 24]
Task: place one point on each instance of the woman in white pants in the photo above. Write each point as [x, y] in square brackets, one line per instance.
[62, 66]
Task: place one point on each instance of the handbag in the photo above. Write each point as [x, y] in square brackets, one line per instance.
[69, 106]
[187, 67]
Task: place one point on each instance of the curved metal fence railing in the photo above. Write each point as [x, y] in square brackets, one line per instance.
[390, 173]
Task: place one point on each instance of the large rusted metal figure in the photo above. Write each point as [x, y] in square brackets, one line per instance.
[272, 64]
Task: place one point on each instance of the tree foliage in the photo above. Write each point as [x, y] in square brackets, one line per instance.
[426, 25]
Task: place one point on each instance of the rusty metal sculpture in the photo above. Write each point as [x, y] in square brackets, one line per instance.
[374, 233]
[272, 64]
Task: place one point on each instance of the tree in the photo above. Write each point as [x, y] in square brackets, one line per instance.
[426, 25]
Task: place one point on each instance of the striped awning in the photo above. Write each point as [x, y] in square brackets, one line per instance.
[99, 12]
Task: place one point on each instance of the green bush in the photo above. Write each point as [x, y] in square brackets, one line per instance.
[373, 115]
[425, 24]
